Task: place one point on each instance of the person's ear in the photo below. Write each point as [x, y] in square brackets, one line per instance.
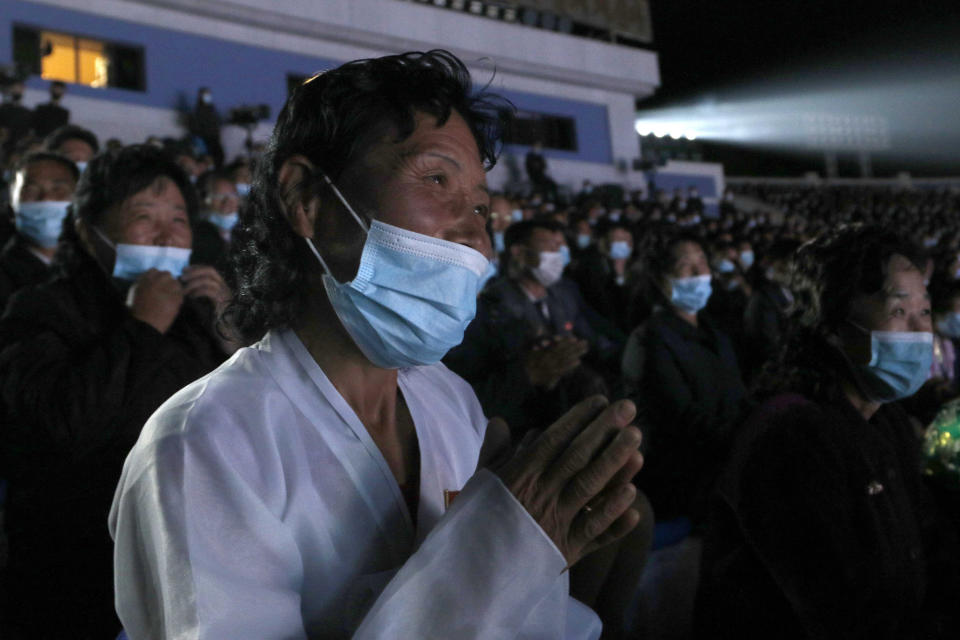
[298, 197]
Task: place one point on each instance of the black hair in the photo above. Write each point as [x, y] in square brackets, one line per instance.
[207, 180]
[657, 254]
[48, 156]
[332, 119]
[70, 132]
[942, 293]
[827, 274]
[658, 250]
[109, 180]
[521, 232]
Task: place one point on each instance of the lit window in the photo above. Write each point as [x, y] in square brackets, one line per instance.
[70, 58]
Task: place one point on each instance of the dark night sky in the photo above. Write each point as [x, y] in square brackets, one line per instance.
[706, 44]
[710, 48]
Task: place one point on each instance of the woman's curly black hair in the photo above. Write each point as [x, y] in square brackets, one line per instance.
[331, 119]
[109, 180]
[826, 275]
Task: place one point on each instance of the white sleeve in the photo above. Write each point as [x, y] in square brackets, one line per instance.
[486, 571]
[197, 553]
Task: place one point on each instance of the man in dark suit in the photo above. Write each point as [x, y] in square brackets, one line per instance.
[51, 115]
[526, 352]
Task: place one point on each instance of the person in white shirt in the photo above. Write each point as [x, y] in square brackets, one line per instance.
[330, 480]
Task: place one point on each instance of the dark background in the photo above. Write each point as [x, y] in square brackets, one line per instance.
[707, 49]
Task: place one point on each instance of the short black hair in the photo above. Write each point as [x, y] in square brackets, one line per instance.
[58, 84]
[826, 275]
[841, 264]
[111, 178]
[521, 232]
[657, 249]
[48, 156]
[332, 119]
[69, 132]
[210, 178]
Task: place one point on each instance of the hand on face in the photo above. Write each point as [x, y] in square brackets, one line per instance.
[155, 298]
[203, 281]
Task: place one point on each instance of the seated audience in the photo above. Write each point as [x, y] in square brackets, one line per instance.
[79, 145]
[821, 527]
[604, 272]
[525, 351]
[41, 190]
[84, 360]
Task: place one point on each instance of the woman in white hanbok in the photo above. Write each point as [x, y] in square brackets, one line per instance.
[328, 481]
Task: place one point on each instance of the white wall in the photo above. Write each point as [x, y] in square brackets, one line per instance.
[525, 59]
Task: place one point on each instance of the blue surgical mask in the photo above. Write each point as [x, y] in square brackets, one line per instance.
[899, 364]
[690, 294]
[565, 252]
[133, 260]
[498, 242]
[413, 295]
[225, 221]
[584, 240]
[81, 166]
[620, 250]
[42, 221]
[243, 189]
[726, 266]
[746, 259]
[949, 326]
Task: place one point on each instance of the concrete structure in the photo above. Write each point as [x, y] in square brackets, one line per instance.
[245, 49]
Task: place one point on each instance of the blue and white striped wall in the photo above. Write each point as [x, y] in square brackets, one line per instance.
[245, 55]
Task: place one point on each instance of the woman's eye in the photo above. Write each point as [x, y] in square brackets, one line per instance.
[437, 178]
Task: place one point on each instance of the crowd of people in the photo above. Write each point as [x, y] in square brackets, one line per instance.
[781, 367]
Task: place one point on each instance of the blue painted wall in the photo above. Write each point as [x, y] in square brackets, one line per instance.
[178, 63]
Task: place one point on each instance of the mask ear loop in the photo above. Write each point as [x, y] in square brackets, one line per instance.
[343, 201]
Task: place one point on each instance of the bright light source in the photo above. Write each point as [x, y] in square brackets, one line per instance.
[690, 135]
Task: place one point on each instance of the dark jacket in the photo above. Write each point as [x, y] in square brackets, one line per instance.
[822, 528]
[16, 119]
[19, 268]
[765, 323]
[47, 117]
[79, 376]
[595, 275]
[491, 356]
[690, 395]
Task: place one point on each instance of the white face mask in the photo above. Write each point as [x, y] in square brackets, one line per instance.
[550, 269]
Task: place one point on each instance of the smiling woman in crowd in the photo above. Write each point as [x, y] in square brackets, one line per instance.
[84, 360]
